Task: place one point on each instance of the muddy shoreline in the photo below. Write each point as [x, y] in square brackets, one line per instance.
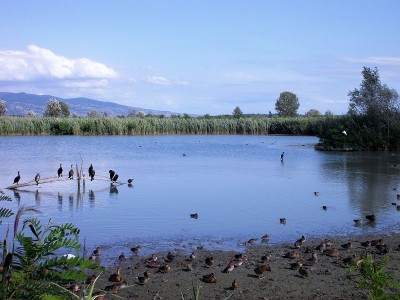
[327, 276]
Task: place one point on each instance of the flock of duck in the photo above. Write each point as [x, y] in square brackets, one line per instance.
[205, 265]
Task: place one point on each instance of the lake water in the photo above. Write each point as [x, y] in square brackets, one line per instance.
[236, 184]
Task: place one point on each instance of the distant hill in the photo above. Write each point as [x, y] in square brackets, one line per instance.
[20, 103]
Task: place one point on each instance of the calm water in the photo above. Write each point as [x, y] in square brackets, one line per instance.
[236, 184]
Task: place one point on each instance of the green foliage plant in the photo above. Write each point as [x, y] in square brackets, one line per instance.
[372, 277]
[34, 264]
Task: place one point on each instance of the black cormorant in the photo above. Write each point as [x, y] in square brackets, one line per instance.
[115, 177]
[59, 171]
[112, 173]
[71, 173]
[16, 179]
[37, 178]
[91, 173]
[130, 180]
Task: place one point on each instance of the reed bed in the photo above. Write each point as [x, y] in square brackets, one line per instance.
[155, 125]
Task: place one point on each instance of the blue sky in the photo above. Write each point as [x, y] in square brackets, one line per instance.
[199, 57]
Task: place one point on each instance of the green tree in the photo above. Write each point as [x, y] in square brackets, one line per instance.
[93, 114]
[313, 113]
[53, 109]
[3, 108]
[379, 106]
[65, 110]
[237, 112]
[287, 104]
[373, 99]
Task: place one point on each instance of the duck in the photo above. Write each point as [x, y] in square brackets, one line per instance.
[282, 156]
[265, 238]
[97, 251]
[130, 180]
[90, 279]
[377, 242]
[210, 278]
[300, 242]
[314, 257]
[357, 222]
[194, 216]
[292, 255]
[229, 268]
[188, 267]
[260, 270]
[332, 253]
[303, 272]
[347, 246]
[235, 284]
[324, 207]
[266, 257]
[316, 193]
[238, 256]
[328, 242]
[112, 173]
[37, 178]
[152, 258]
[240, 261]
[209, 261]
[116, 277]
[321, 247]
[371, 218]
[251, 241]
[164, 268]
[296, 265]
[59, 171]
[366, 244]
[192, 256]
[170, 256]
[121, 256]
[71, 173]
[382, 249]
[282, 220]
[75, 287]
[17, 179]
[136, 249]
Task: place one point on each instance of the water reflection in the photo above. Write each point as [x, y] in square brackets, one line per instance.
[130, 185]
[91, 199]
[113, 189]
[37, 198]
[17, 196]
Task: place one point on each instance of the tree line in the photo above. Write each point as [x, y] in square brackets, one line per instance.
[372, 121]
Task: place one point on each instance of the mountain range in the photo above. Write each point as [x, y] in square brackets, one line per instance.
[20, 104]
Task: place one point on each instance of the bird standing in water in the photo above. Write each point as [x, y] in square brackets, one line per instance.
[112, 173]
[91, 172]
[17, 178]
[282, 156]
[37, 178]
[59, 171]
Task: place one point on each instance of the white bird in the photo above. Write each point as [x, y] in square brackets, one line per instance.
[344, 132]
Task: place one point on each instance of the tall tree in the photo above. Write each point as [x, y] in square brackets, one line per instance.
[65, 110]
[3, 108]
[287, 104]
[373, 99]
[237, 112]
[53, 109]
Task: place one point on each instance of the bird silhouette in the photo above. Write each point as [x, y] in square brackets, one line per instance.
[59, 171]
[37, 178]
[17, 179]
[71, 173]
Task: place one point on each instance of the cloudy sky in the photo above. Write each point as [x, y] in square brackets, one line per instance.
[200, 56]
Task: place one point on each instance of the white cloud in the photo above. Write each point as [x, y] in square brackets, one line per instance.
[39, 63]
[160, 80]
[377, 60]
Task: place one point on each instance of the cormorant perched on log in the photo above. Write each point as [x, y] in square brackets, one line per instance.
[16, 179]
[59, 171]
[71, 173]
[90, 169]
[115, 178]
[112, 173]
[37, 178]
[91, 173]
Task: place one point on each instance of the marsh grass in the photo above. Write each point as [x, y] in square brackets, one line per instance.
[156, 125]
